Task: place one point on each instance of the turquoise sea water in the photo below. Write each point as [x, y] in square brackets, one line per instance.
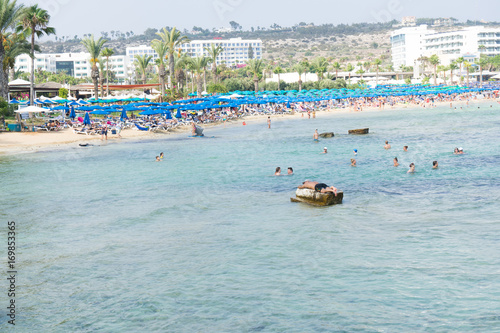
[208, 241]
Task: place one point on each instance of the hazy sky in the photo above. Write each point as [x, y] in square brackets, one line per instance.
[78, 17]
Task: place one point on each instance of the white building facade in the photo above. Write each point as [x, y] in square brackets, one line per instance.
[235, 50]
[74, 64]
[409, 44]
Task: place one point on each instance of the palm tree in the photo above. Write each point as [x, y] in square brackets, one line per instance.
[94, 48]
[300, 70]
[255, 68]
[360, 72]
[453, 66]
[483, 61]
[377, 62]
[467, 66]
[320, 66]
[336, 66]
[460, 61]
[198, 64]
[213, 52]
[14, 45]
[423, 60]
[173, 40]
[161, 49]
[10, 14]
[35, 21]
[101, 75]
[278, 70]
[349, 69]
[142, 63]
[434, 61]
[107, 52]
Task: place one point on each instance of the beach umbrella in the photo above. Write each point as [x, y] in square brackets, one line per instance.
[14, 101]
[86, 120]
[32, 108]
[72, 114]
[178, 114]
[124, 115]
[100, 112]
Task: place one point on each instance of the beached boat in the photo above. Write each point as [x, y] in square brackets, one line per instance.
[315, 198]
[359, 131]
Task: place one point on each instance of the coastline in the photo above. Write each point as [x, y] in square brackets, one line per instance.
[13, 143]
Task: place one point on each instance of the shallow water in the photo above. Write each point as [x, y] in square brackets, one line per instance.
[208, 241]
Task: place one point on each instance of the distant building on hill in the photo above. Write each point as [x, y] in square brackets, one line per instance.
[412, 43]
[235, 50]
[409, 21]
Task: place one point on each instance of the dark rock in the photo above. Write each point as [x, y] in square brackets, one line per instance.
[315, 198]
[327, 135]
[359, 131]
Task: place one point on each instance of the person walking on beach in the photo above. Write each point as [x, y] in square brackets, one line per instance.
[269, 122]
[104, 132]
[387, 145]
[316, 136]
[118, 128]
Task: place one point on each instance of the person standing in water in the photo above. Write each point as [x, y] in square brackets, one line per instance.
[269, 122]
[412, 168]
[396, 163]
[290, 171]
[387, 145]
[353, 162]
[278, 171]
[435, 165]
[316, 136]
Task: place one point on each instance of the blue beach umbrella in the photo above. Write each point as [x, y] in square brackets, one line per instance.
[72, 114]
[178, 114]
[124, 115]
[86, 120]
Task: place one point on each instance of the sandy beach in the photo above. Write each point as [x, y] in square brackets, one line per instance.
[26, 142]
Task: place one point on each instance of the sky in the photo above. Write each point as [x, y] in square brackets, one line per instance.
[77, 17]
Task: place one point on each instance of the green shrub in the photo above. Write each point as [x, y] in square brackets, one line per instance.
[216, 88]
[63, 93]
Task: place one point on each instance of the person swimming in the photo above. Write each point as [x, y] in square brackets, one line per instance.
[325, 151]
[412, 168]
[161, 155]
[355, 152]
[405, 148]
[435, 164]
[158, 159]
[290, 171]
[353, 162]
[387, 145]
[278, 171]
[396, 162]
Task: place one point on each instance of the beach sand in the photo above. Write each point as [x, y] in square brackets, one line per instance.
[25, 142]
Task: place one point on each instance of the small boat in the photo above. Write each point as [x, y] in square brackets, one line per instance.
[316, 198]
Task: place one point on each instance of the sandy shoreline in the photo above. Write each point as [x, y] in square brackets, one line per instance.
[27, 142]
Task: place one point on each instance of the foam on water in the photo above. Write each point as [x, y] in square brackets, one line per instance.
[207, 240]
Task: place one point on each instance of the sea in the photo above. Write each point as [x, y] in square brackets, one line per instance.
[108, 240]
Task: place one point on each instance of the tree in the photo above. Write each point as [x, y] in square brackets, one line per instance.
[349, 69]
[377, 62]
[94, 48]
[434, 61]
[198, 65]
[173, 39]
[161, 49]
[336, 66]
[278, 70]
[300, 68]
[453, 66]
[213, 52]
[106, 53]
[101, 75]
[483, 61]
[467, 66]
[360, 72]
[35, 21]
[14, 46]
[320, 66]
[250, 52]
[141, 64]
[235, 26]
[460, 61]
[10, 14]
[255, 67]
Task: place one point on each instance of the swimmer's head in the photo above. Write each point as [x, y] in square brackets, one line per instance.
[355, 150]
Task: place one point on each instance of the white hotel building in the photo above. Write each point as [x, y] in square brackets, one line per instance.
[411, 43]
[74, 64]
[235, 50]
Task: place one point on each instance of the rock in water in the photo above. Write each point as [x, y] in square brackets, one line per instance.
[359, 131]
[327, 135]
[315, 198]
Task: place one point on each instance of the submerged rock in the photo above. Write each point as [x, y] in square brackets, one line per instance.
[359, 131]
[327, 135]
[315, 198]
